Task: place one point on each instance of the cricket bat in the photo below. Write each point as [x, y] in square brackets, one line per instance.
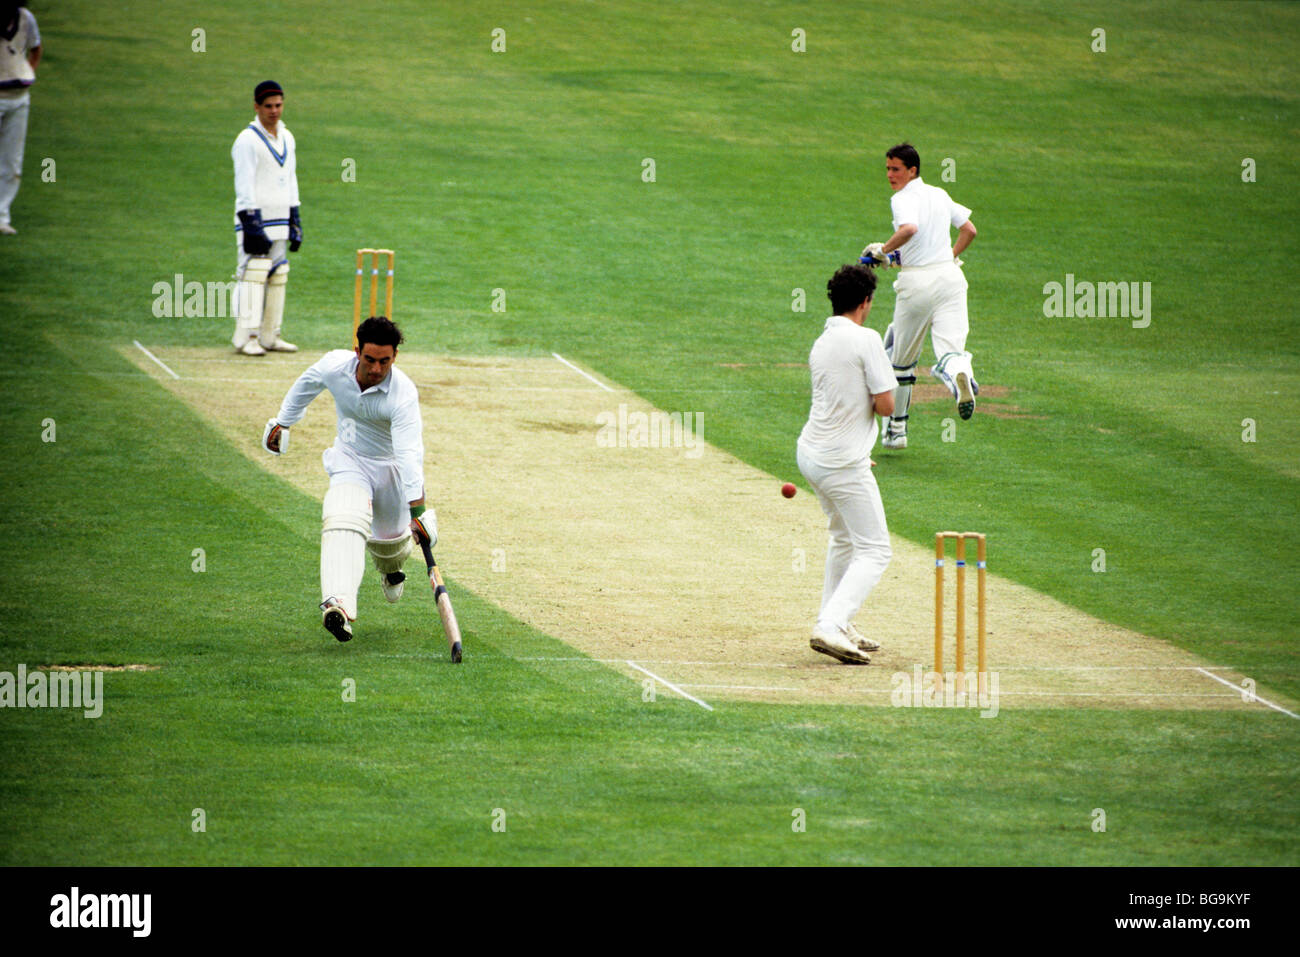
[449, 625]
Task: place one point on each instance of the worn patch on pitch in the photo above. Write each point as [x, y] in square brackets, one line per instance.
[618, 529]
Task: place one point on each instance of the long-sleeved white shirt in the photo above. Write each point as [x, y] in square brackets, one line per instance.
[382, 422]
[16, 73]
[266, 175]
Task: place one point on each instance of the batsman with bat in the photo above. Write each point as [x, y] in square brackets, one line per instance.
[375, 500]
[931, 288]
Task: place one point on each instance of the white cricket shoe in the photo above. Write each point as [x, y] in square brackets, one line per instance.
[862, 641]
[894, 438]
[7, 230]
[335, 620]
[251, 348]
[279, 345]
[965, 396]
[392, 583]
[837, 644]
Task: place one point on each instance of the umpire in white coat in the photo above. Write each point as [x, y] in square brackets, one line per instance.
[267, 223]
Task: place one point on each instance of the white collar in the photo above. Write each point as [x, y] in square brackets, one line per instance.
[277, 136]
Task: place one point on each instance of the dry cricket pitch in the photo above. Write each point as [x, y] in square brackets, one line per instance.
[678, 562]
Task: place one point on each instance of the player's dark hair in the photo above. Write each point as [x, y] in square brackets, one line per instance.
[379, 331]
[851, 286]
[907, 153]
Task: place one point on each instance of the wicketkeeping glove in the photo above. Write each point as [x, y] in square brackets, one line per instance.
[277, 433]
[255, 241]
[295, 229]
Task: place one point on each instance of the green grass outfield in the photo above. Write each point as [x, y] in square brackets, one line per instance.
[522, 171]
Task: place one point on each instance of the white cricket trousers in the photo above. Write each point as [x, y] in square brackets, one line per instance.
[391, 510]
[13, 136]
[933, 298]
[858, 551]
[375, 500]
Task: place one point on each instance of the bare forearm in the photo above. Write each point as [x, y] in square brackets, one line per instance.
[905, 233]
[965, 236]
[34, 57]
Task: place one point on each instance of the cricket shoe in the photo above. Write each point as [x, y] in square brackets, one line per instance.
[894, 438]
[864, 643]
[335, 620]
[7, 230]
[251, 348]
[279, 345]
[965, 395]
[837, 644]
[392, 585]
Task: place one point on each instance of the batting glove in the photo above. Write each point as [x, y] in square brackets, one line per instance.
[275, 438]
[875, 255]
[424, 525]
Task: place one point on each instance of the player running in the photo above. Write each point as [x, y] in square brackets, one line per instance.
[931, 288]
[375, 500]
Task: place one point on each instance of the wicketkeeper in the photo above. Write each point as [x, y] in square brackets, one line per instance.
[267, 223]
[375, 500]
[931, 288]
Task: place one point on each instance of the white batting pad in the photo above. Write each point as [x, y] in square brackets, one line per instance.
[948, 366]
[345, 526]
[252, 297]
[390, 554]
[273, 311]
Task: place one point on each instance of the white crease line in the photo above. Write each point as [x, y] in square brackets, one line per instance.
[671, 686]
[581, 373]
[505, 388]
[1250, 696]
[744, 687]
[155, 359]
[531, 369]
[580, 390]
[1001, 693]
[1006, 670]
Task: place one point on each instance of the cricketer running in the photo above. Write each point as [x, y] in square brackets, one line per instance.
[931, 289]
[375, 500]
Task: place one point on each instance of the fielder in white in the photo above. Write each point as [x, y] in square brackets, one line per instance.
[267, 223]
[375, 500]
[931, 288]
[852, 383]
[20, 52]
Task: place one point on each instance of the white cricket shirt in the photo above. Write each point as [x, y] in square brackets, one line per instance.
[848, 365]
[384, 420]
[16, 74]
[932, 211]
